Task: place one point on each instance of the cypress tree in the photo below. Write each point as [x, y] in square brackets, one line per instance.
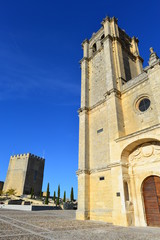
[59, 191]
[54, 196]
[64, 197]
[32, 192]
[57, 203]
[40, 195]
[47, 195]
[72, 195]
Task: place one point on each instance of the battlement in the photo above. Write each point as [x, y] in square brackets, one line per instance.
[25, 171]
[26, 155]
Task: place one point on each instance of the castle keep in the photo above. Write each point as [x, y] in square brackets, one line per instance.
[119, 131]
[25, 171]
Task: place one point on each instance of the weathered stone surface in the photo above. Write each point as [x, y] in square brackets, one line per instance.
[118, 143]
[25, 171]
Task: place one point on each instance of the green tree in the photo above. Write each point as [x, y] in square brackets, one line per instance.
[64, 197]
[11, 191]
[1, 192]
[40, 195]
[54, 196]
[72, 195]
[47, 195]
[59, 191]
[57, 202]
[32, 192]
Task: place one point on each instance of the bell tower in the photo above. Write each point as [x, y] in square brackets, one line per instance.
[110, 59]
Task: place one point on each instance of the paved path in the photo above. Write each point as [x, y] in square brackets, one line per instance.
[57, 224]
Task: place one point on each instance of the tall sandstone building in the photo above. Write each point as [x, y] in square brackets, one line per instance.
[119, 131]
[25, 172]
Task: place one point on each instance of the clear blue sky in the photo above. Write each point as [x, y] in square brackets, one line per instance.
[40, 49]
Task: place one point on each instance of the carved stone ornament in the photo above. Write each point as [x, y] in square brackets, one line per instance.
[145, 152]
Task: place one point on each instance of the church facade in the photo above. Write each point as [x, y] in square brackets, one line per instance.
[119, 131]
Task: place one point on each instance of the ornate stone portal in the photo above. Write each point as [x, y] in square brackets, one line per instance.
[119, 127]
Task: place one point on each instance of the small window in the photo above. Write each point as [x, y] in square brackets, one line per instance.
[144, 104]
[100, 130]
[101, 178]
[94, 48]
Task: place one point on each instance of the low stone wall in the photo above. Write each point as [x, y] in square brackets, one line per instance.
[41, 208]
[17, 207]
[29, 207]
[69, 206]
[15, 202]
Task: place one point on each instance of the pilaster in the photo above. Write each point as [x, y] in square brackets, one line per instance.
[83, 166]
[84, 76]
[108, 55]
[135, 51]
[119, 209]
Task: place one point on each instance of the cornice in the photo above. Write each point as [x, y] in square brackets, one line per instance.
[151, 66]
[83, 59]
[96, 170]
[140, 58]
[113, 90]
[95, 53]
[128, 88]
[82, 171]
[108, 93]
[137, 133]
[97, 104]
[80, 110]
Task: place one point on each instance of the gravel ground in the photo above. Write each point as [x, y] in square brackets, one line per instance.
[58, 224]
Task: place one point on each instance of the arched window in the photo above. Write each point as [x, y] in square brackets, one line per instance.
[102, 37]
[126, 192]
[94, 48]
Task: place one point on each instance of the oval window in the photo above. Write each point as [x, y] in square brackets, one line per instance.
[144, 104]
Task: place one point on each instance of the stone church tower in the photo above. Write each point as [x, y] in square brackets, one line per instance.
[119, 131]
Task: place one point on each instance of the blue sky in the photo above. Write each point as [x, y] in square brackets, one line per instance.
[40, 49]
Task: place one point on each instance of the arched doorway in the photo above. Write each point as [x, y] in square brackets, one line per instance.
[151, 195]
